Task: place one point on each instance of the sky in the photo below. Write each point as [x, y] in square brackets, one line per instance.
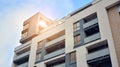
[14, 12]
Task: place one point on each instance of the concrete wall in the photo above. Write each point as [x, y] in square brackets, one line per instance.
[105, 31]
[40, 37]
[105, 26]
[114, 18]
[34, 27]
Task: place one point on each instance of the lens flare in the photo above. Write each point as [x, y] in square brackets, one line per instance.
[42, 24]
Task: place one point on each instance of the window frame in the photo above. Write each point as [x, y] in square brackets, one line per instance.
[76, 39]
[76, 26]
[73, 57]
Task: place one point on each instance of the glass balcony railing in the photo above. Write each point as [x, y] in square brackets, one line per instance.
[19, 57]
[92, 38]
[97, 54]
[55, 41]
[23, 65]
[60, 65]
[55, 53]
[90, 23]
[23, 46]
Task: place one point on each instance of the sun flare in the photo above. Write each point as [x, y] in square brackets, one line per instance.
[42, 24]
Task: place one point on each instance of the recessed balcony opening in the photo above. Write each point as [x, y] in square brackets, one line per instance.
[57, 35]
[55, 47]
[23, 51]
[91, 33]
[60, 62]
[55, 50]
[97, 48]
[102, 63]
[22, 60]
[98, 55]
[89, 18]
[91, 30]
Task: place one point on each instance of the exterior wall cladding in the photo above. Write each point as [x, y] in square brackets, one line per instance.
[88, 37]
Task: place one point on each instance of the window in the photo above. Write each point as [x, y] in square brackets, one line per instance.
[76, 39]
[76, 26]
[39, 46]
[73, 57]
[38, 55]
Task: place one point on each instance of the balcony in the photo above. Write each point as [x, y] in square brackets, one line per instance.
[92, 38]
[22, 56]
[26, 27]
[55, 41]
[55, 53]
[23, 65]
[98, 54]
[23, 46]
[90, 23]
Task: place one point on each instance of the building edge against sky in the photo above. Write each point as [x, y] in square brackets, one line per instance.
[87, 37]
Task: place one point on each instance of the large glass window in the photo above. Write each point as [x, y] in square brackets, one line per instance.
[76, 39]
[73, 57]
[76, 26]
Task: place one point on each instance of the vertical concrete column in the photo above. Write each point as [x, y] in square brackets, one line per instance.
[81, 54]
[114, 20]
[32, 56]
[43, 50]
[82, 34]
[105, 32]
[67, 61]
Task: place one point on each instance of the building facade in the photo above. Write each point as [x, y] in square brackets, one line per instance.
[87, 37]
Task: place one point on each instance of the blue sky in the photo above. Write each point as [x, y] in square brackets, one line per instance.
[14, 12]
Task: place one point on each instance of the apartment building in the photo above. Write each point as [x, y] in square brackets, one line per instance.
[87, 37]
